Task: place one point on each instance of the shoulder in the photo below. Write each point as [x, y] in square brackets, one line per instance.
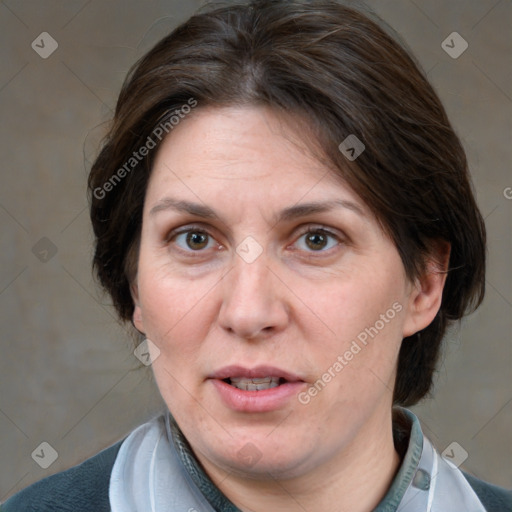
[494, 498]
[80, 488]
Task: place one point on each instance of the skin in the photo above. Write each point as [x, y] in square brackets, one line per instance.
[298, 306]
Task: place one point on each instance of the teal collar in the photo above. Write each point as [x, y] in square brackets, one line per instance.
[406, 431]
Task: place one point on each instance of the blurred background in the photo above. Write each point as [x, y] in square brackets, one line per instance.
[68, 375]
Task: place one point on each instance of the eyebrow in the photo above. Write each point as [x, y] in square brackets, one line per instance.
[285, 215]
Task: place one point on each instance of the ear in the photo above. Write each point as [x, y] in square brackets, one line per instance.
[427, 291]
[137, 311]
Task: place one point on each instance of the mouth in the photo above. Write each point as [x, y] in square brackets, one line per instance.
[255, 384]
[255, 379]
[259, 389]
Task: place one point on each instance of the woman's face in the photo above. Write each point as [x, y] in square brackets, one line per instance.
[276, 301]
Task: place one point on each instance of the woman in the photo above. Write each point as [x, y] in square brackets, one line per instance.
[284, 212]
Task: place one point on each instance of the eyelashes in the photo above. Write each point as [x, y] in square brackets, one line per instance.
[193, 239]
[196, 241]
[318, 239]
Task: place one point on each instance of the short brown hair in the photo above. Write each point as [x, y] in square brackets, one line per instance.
[345, 75]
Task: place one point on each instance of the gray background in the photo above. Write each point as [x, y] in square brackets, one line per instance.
[67, 373]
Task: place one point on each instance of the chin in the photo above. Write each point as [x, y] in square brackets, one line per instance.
[262, 458]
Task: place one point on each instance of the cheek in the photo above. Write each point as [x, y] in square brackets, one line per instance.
[169, 301]
[351, 302]
[176, 320]
[363, 314]
[177, 316]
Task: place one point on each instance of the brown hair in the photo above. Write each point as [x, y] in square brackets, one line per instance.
[343, 74]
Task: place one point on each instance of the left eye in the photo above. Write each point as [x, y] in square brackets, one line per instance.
[194, 240]
[314, 240]
[317, 240]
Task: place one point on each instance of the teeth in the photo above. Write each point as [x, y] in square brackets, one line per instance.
[254, 384]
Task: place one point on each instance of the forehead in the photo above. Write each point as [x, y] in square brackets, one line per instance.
[243, 153]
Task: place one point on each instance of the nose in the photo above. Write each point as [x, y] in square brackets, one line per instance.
[253, 305]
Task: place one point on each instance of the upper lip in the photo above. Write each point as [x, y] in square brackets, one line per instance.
[258, 372]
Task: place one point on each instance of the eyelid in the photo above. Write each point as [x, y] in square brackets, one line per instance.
[300, 231]
[311, 228]
[190, 253]
[185, 229]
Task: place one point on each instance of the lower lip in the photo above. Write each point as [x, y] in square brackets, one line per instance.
[257, 401]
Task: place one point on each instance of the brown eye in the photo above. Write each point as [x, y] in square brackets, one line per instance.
[193, 240]
[316, 241]
[196, 240]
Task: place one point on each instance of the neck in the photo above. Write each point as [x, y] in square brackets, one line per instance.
[356, 479]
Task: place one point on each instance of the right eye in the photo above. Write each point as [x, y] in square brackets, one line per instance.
[194, 240]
